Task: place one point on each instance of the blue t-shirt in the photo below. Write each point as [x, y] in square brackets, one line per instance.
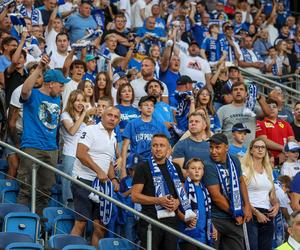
[211, 177]
[140, 134]
[40, 120]
[163, 113]
[77, 25]
[4, 63]
[212, 47]
[237, 151]
[189, 149]
[170, 78]
[295, 186]
[128, 113]
[199, 32]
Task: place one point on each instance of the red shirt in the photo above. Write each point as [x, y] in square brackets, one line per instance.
[277, 132]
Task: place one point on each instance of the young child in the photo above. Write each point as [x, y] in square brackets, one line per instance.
[273, 62]
[239, 133]
[201, 227]
[128, 229]
[292, 165]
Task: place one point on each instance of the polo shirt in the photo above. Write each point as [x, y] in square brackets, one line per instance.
[101, 153]
[277, 132]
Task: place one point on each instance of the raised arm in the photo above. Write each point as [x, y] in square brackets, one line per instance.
[68, 62]
[52, 19]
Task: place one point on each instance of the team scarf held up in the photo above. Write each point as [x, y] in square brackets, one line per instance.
[251, 101]
[189, 186]
[105, 205]
[161, 189]
[230, 186]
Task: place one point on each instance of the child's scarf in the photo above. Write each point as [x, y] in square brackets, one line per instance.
[251, 101]
[161, 189]
[105, 205]
[231, 187]
[189, 186]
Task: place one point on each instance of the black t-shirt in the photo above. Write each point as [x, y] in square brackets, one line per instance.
[296, 130]
[143, 175]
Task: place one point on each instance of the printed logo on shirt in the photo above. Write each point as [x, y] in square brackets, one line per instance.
[281, 124]
[269, 125]
[49, 114]
[194, 65]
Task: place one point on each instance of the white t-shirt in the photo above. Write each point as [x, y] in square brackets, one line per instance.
[195, 67]
[290, 168]
[68, 88]
[148, 9]
[137, 20]
[102, 153]
[70, 141]
[15, 101]
[58, 60]
[125, 6]
[50, 38]
[139, 90]
[259, 189]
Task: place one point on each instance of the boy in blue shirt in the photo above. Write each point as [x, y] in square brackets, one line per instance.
[239, 133]
[201, 227]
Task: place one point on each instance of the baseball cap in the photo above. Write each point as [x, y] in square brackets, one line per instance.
[90, 57]
[218, 138]
[147, 98]
[133, 160]
[117, 76]
[55, 75]
[291, 147]
[184, 80]
[240, 127]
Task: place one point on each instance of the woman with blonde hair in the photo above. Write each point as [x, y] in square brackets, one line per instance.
[257, 172]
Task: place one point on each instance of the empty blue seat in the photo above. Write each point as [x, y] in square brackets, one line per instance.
[78, 247]
[60, 220]
[3, 168]
[116, 244]
[22, 222]
[8, 191]
[24, 246]
[56, 196]
[8, 208]
[59, 241]
[7, 238]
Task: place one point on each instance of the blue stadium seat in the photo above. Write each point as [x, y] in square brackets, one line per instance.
[59, 241]
[116, 244]
[78, 247]
[3, 168]
[22, 222]
[8, 191]
[60, 220]
[8, 208]
[56, 196]
[7, 238]
[24, 246]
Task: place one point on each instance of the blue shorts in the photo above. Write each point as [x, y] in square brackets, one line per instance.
[85, 208]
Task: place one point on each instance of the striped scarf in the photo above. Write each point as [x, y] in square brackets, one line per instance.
[35, 14]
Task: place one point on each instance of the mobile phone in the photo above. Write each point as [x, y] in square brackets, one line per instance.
[50, 54]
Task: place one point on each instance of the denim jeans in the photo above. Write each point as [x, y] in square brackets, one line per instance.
[67, 162]
[260, 234]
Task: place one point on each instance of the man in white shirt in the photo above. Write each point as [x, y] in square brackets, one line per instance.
[293, 242]
[194, 66]
[59, 56]
[138, 13]
[147, 71]
[126, 9]
[94, 159]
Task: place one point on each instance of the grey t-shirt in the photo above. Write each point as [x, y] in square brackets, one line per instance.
[230, 115]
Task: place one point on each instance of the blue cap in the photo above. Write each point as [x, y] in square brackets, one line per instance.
[240, 127]
[291, 147]
[90, 57]
[55, 75]
[133, 160]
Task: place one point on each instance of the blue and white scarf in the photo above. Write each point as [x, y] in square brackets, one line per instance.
[189, 186]
[105, 205]
[161, 189]
[98, 15]
[4, 4]
[183, 102]
[251, 101]
[18, 23]
[248, 57]
[230, 185]
[35, 14]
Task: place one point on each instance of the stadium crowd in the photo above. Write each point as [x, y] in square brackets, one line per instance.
[144, 100]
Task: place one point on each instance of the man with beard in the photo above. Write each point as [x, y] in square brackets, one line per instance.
[233, 113]
[147, 71]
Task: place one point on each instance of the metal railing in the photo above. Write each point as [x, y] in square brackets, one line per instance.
[150, 220]
[289, 84]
